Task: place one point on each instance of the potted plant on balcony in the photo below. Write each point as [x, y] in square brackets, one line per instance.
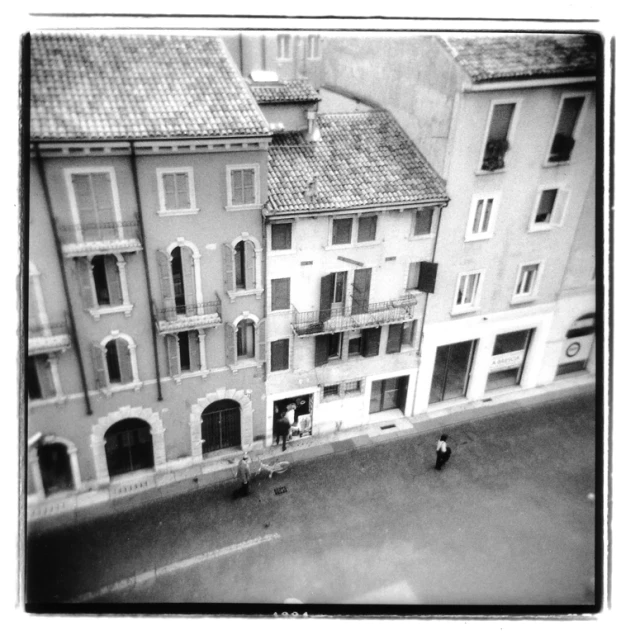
[494, 155]
[561, 148]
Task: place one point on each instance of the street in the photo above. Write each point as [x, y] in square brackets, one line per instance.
[508, 521]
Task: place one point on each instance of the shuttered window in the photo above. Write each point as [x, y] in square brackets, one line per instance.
[176, 191]
[39, 380]
[93, 197]
[361, 289]
[281, 236]
[394, 338]
[106, 278]
[280, 294]
[243, 190]
[280, 355]
[118, 360]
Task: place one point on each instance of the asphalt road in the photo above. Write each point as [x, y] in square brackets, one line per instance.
[509, 521]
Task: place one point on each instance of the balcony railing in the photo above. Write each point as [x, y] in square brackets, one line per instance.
[48, 338]
[309, 323]
[78, 239]
[171, 319]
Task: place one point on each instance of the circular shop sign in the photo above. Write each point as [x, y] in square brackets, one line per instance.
[572, 349]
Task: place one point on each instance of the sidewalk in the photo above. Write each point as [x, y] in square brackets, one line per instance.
[223, 471]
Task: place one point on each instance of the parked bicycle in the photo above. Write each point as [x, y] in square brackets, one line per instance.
[276, 467]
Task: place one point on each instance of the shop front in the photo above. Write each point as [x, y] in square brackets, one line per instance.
[577, 346]
[508, 359]
[298, 410]
[451, 371]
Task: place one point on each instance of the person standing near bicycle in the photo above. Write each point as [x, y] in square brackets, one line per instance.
[244, 473]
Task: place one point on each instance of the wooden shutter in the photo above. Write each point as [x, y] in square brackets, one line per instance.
[168, 185]
[249, 265]
[280, 355]
[371, 342]
[427, 277]
[166, 283]
[322, 350]
[173, 355]
[103, 197]
[230, 343]
[124, 360]
[194, 350]
[227, 258]
[326, 295]
[189, 281]
[85, 281]
[84, 198]
[261, 353]
[280, 294]
[361, 288]
[99, 370]
[182, 191]
[394, 338]
[43, 367]
[113, 280]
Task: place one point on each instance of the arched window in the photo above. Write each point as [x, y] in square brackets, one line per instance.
[129, 446]
[242, 268]
[178, 282]
[114, 361]
[245, 339]
[221, 426]
[106, 280]
[103, 284]
[55, 468]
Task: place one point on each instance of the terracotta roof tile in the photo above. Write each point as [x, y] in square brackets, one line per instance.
[524, 56]
[137, 86]
[362, 159]
[284, 91]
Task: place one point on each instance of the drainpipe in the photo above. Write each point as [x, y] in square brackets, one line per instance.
[240, 56]
[145, 258]
[65, 283]
[424, 315]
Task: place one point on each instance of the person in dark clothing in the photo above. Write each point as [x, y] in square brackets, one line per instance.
[443, 452]
[244, 474]
[282, 430]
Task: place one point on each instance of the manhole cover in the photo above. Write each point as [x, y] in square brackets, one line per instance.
[280, 490]
[388, 426]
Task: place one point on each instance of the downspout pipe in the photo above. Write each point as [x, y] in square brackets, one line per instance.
[65, 282]
[426, 300]
[145, 258]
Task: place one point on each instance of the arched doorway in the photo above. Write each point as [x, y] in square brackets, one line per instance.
[55, 468]
[221, 426]
[128, 446]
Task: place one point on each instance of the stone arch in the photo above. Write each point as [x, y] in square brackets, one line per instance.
[34, 462]
[99, 430]
[242, 397]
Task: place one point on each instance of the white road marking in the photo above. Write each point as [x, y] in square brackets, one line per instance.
[175, 566]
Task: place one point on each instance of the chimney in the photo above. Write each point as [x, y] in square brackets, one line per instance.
[313, 131]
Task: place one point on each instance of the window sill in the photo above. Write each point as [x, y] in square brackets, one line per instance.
[243, 293]
[281, 252]
[116, 388]
[477, 238]
[352, 245]
[561, 163]
[249, 363]
[190, 374]
[45, 402]
[523, 300]
[177, 212]
[459, 312]
[426, 236]
[96, 312]
[542, 227]
[481, 172]
[279, 371]
[242, 207]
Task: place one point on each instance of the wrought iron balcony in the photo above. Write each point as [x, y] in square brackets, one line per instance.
[177, 318]
[99, 237]
[48, 338]
[309, 323]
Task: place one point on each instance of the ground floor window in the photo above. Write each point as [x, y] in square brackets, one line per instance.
[221, 426]
[577, 346]
[129, 447]
[508, 360]
[388, 394]
[55, 468]
[451, 371]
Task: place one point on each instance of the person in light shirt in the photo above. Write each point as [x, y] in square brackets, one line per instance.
[443, 452]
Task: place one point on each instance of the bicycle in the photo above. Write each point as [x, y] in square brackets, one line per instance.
[277, 467]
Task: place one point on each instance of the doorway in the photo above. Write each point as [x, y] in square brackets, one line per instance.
[129, 447]
[388, 394]
[55, 468]
[221, 426]
[451, 371]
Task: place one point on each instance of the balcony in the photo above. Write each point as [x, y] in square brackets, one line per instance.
[311, 323]
[99, 237]
[48, 338]
[188, 317]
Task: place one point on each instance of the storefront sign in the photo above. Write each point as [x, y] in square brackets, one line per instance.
[575, 349]
[572, 349]
[510, 360]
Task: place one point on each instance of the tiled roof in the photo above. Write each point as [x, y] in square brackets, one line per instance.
[488, 58]
[284, 91]
[362, 159]
[137, 86]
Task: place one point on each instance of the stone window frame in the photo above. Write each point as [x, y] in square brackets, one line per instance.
[162, 210]
[36, 471]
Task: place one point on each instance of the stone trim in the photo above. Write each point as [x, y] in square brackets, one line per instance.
[242, 397]
[99, 430]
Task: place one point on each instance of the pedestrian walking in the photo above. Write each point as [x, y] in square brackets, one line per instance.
[282, 430]
[244, 473]
[443, 452]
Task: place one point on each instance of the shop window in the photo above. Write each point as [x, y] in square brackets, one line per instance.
[280, 355]
[467, 292]
[497, 143]
[549, 208]
[564, 136]
[284, 46]
[451, 371]
[341, 231]
[508, 359]
[281, 236]
[527, 282]
[388, 394]
[280, 294]
[176, 191]
[367, 226]
[424, 221]
[39, 379]
[242, 186]
[183, 350]
[577, 346]
[481, 218]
